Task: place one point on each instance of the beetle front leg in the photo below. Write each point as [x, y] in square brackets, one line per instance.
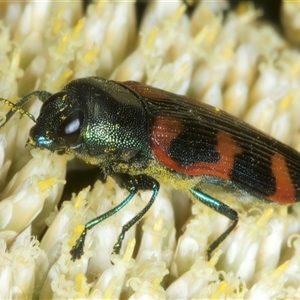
[221, 208]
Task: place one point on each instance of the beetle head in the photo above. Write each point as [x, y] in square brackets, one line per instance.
[96, 119]
[58, 126]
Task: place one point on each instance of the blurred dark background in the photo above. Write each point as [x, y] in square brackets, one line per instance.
[270, 8]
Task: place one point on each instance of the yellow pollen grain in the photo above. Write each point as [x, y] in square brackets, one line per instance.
[243, 8]
[77, 29]
[212, 31]
[78, 201]
[294, 68]
[214, 259]
[46, 183]
[57, 23]
[129, 250]
[223, 289]
[285, 102]
[63, 43]
[159, 222]
[109, 291]
[279, 270]
[78, 282]
[101, 5]
[178, 13]
[265, 217]
[182, 70]
[91, 54]
[205, 34]
[151, 38]
[228, 51]
[75, 235]
[15, 60]
[64, 76]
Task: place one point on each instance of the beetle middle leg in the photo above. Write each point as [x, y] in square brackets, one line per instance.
[221, 208]
[145, 183]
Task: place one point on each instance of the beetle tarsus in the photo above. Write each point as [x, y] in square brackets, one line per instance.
[118, 245]
[77, 250]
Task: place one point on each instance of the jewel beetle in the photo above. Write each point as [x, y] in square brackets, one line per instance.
[143, 136]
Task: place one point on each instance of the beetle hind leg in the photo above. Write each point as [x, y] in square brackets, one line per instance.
[221, 208]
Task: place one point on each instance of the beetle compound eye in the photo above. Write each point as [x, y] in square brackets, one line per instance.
[69, 130]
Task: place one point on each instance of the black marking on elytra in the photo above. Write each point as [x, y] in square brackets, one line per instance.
[253, 172]
[186, 150]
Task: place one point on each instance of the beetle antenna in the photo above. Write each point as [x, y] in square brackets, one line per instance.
[17, 107]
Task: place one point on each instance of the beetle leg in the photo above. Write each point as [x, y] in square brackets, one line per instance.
[132, 184]
[221, 208]
[144, 183]
[77, 249]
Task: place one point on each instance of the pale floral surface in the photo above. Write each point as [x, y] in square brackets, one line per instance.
[239, 64]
